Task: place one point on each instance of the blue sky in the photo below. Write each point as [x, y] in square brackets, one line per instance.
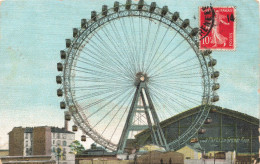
[32, 32]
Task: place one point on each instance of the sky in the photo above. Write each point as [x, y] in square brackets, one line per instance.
[32, 32]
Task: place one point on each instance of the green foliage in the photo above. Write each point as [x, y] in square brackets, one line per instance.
[76, 147]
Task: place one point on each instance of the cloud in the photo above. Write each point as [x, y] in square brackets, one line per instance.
[3, 142]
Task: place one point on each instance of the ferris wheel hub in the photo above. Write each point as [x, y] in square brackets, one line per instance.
[141, 77]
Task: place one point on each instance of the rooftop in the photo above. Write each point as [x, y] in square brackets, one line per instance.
[229, 112]
[53, 129]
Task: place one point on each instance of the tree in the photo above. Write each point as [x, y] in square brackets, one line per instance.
[76, 147]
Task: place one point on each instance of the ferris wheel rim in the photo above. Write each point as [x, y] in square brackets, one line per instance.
[79, 115]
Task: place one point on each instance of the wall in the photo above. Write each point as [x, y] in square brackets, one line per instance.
[42, 141]
[16, 142]
[58, 141]
[106, 162]
[189, 153]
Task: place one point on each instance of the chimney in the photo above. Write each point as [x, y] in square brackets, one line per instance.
[66, 127]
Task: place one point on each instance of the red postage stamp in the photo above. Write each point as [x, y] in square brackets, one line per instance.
[217, 28]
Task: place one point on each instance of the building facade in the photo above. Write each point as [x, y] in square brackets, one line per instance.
[42, 141]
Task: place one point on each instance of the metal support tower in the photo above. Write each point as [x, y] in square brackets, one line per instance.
[152, 121]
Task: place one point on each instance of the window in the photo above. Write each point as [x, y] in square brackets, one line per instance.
[53, 149]
[58, 135]
[64, 150]
[26, 144]
[64, 143]
[53, 135]
[64, 136]
[26, 135]
[58, 142]
[53, 142]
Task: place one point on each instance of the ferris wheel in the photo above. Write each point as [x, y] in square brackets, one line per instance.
[130, 67]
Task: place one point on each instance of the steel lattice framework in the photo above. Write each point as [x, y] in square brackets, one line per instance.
[83, 36]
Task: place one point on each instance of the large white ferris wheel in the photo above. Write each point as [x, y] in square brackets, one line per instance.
[130, 67]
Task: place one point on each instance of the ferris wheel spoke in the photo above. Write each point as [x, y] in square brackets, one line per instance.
[177, 70]
[123, 48]
[167, 92]
[126, 49]
[105, 44]
[116, 64]
[153, 45]
[123, 115]
[97, 93]
[140, 42]
[178, 110]
[91, 89]
[108, 54]
[169, 62]
[106, 82]
[187, 98]
[146, 44]
[166, 56]
[102, 65]
[182, 74]
[124, 99]
[119, 109]
[96, 65]
[95, 46]
[95, 56]
[98, 87]
[176, 74]
[133, 31]
[154, 54]
[102, 86]
[181, 83]
[129, 44]
[174, 88]
[104, 62]
[99, 75]
[102, 80]
[110, 97]
[99, 60]
[102, 68]
[160, 107]
[166, 96]
[159, 61]
[191, 75]
[176, 67]
[165, 108]
[95, 73]
[119, 54]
